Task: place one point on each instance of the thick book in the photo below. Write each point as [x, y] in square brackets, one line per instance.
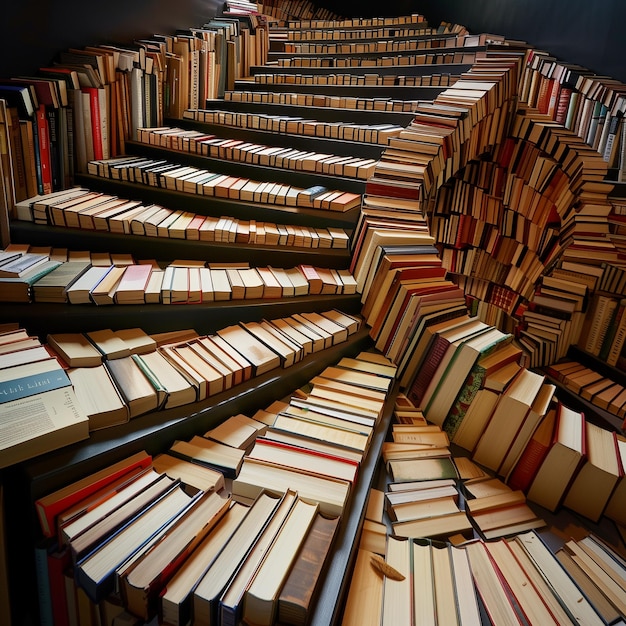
[438, 339]
[450, 380]
[176, 600]
[257, 353]
[99, 396]
[564, 459]
[232, 600]
[216, 455]
[298, 594]
[75, 349]
[258, 476]
[260, 600]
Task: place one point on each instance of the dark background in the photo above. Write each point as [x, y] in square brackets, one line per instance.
[590, 34]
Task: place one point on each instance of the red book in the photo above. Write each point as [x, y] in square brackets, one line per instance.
[43, 132]
[392, 189]
[49, 507]
[96, 121]
[132, 285]
[524, 471]
[312, 277]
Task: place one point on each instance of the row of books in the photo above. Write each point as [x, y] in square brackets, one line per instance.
[197, 142]
[390, 44]
[203, 182]
[434, 80]
[90, 522]
[348, 22]
[321, 100]
[465, 56]
[598, 389]
[52, 276]
[436, 139]
[415, 29]
[135, 374]
[465, 374]
[296, 125]
[80, 207]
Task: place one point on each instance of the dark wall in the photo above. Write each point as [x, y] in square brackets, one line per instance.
[582, 32]
[33, 31]
[590, 34]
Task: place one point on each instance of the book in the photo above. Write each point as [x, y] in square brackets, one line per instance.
[303, 459]
[166, 379]
[507, 419]
[99, 397]
[237, 431]
[86, 512]
[615, 509]
[191, 474]
[438, 406]
[260, 356]
[550, 571]
[231, 603]
[523, 471]
[257, 476]
[38, 395]
[138, 393]
[485, 365]
[476, 419]
[299, 592]
[53, 286]
[498, 600]
[108, 522]
[75, 349]
[365, 595]
[563, 460]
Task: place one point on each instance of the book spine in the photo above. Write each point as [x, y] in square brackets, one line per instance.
[55, 150]
[96, 122]
[424, 375]
[43, 144]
